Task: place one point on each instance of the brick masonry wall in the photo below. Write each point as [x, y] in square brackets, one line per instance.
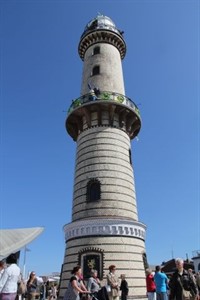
[111, 74]
[103, 153]
[124, 252]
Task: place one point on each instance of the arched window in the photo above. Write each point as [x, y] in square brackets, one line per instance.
[93, 190]
[96, 70]
[96, 50]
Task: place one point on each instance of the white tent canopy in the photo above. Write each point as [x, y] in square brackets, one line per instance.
[12, 240]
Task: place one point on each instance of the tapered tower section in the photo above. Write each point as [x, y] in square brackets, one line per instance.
[105, 229]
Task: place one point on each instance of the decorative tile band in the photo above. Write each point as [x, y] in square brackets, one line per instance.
[104, 96]
[104, 227]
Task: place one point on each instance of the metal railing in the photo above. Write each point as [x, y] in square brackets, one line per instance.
[104, 96]
[196, 253]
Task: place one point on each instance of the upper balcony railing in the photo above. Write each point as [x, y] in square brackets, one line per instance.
[104, 96]
[196, 253]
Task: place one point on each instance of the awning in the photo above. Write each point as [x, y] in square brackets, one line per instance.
[12, 240]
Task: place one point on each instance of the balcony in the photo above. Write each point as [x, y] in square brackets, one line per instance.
[106, 97]
[196, 253]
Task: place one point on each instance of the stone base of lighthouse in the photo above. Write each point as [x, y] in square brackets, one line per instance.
[100, 243]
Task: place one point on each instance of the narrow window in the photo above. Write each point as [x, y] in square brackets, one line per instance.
[130, 158]
[145, 262]
[96, 50]
[93, 190]
[96, 70]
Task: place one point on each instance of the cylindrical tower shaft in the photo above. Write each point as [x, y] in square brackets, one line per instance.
[110, 76]
[103, 156]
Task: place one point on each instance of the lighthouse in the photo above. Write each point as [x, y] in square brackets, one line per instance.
[103, 120]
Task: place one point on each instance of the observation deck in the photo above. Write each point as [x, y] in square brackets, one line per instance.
[114, 104]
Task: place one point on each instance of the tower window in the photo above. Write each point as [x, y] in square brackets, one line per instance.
[130, 158]
[93, 190]
[96, 70]
[145, 262]
[96, 50]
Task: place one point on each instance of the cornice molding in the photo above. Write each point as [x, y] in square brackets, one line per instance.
[104, 227]
[102, 36]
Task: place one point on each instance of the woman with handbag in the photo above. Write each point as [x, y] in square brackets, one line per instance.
[113, 283]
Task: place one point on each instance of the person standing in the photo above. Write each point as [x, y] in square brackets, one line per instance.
[2, 268]
[113, 282]
[92, 95]
[181, 279]
[161, 282]
[124, 287]
[53, 294]
[93, 285]
[32, 285]
[150, 284]
[198, 281]
[9, 279]
[43, 291]
[75, 286]
[190, 271]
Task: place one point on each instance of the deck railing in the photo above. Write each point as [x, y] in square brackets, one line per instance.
[104, 96]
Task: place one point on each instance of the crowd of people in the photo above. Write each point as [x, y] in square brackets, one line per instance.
[111, 291]
[36, 289]
[181, 285]
[13, 286]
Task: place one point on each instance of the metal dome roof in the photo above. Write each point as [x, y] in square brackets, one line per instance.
[101, 22]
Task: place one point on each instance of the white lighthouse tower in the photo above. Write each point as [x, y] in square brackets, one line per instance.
[104, 229]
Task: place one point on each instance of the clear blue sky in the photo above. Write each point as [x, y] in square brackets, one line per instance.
[40, 75]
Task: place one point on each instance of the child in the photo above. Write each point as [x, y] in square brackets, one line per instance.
[124, 287]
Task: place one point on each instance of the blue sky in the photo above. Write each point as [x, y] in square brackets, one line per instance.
[40, 75]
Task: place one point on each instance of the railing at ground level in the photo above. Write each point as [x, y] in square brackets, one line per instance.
[104, 96]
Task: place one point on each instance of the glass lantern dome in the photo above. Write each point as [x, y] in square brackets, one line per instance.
[101, 22]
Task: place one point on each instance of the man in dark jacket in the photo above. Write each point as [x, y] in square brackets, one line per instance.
[181, 279]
